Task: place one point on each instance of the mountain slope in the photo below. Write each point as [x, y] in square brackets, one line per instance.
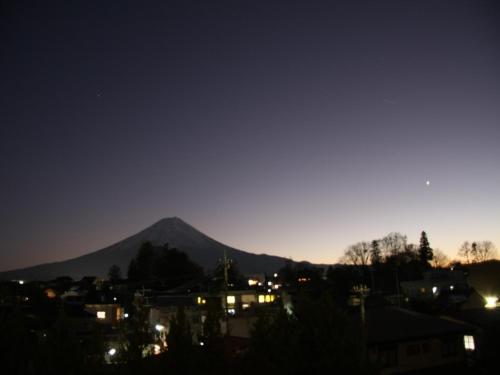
[202, 249]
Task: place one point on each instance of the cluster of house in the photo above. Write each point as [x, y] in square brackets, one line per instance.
[397, 339]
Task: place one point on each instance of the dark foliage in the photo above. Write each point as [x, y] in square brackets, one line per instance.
[114, 273]
[169, 265]
[424, 251]
[317, 338]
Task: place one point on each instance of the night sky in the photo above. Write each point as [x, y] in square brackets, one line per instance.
[294, 128]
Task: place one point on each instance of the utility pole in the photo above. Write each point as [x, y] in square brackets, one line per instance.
[398, 292]
[362, 290]
[226, 282]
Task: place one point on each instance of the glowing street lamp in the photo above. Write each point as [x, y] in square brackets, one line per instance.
[491, 302]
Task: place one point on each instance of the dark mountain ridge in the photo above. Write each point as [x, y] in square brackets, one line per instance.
[200, 248]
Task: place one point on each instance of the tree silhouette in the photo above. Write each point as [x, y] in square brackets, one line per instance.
[168, 265]
[375, 253]
[174, 266]
[180, 343]
[315, 339]
[424, 251]
[135, 337]
[141, 267]
[114, 273]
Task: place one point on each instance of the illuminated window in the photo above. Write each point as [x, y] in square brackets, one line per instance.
[252, 282]
[269, 298]
[245, 306]
[469, 343]
[231, 300]
[261, 298]
[201, 301]
[157, 349]
[101, 315]
[119, 313]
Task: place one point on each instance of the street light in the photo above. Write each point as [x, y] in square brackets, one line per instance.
[362, 290]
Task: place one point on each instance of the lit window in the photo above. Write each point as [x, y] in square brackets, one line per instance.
[231, 300]
[157, 349]
[50, 293]
[245, 306]
[261, 298]
[252, 282]
[201, 301]
[469, 343]
[101, 315]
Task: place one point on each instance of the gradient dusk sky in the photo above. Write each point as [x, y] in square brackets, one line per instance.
[294, 128]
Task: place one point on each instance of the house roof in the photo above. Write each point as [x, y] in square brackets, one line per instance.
[487, 319]
[174, 301]
[391, 324]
